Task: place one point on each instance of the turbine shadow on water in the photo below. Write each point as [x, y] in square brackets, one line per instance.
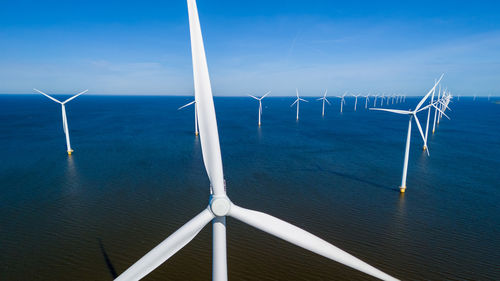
[109, 264]
[348, 176]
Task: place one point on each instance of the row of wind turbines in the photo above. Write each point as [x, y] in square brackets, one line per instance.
[219, 205]
[440, 106]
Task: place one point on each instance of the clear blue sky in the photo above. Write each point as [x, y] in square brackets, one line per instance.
[142, 47]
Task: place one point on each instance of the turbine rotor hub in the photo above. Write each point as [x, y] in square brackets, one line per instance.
[220, 206]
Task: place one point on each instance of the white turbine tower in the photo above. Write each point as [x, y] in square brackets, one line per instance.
[64, 118]
[367, 100]
[324, 99]
[342, 101]
[297, 101]
[375, 101]
[355, 101]
[412, 114]
[195, 115]
[220, 206]
[260, 103]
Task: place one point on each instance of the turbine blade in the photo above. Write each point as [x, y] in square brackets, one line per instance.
[327, 101]
[254, 97]
[294, 102]
[64, 119]
[429, 93]
[186, 105]
[167, 248]
[48, 96]
[442, 112]
[419, 127]
[392, 110]
[73, 97]
[265, 95]
[207, 122]
[304, 239]
[303, 100]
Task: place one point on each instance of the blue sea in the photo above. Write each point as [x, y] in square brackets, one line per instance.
[137, 175]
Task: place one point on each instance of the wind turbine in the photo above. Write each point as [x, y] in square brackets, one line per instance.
[195, 115]
[220, 206]
[260, 103]
[412, 114]
[375, 101]
[355, 101]
[64, 118]
[297, 101]
[342, 101]
[324, 99]
[367, 100]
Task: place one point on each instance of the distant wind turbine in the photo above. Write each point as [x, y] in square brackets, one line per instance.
[355, 101]
[260, 103]
[413, 115]
[195, 115]
[342, 101]
[64, 118]
[324, 99]
[297, 101]
[367, 99]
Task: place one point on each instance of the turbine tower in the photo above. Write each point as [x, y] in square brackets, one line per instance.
[220, 206]
[64, 117]
[297, 101]
[413, 115]
[260, 103]
[324, 99]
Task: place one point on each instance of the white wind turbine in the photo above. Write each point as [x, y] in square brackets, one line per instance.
[220, 206]
[375, 101]
[64, 118]
[297, 101]
[342, 101]
[412, 114]
[195, 115]
[382, 97]
[355, 101]
[260, 103]
[367, 97]
[324, 99]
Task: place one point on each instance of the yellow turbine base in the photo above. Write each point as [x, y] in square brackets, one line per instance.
[196, 133]
[433, 131]
[70, 151]
[425, 148]
[402, 189]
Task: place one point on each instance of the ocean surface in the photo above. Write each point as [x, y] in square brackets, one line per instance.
[137, 175]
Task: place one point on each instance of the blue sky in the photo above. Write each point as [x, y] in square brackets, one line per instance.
[142, 47]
